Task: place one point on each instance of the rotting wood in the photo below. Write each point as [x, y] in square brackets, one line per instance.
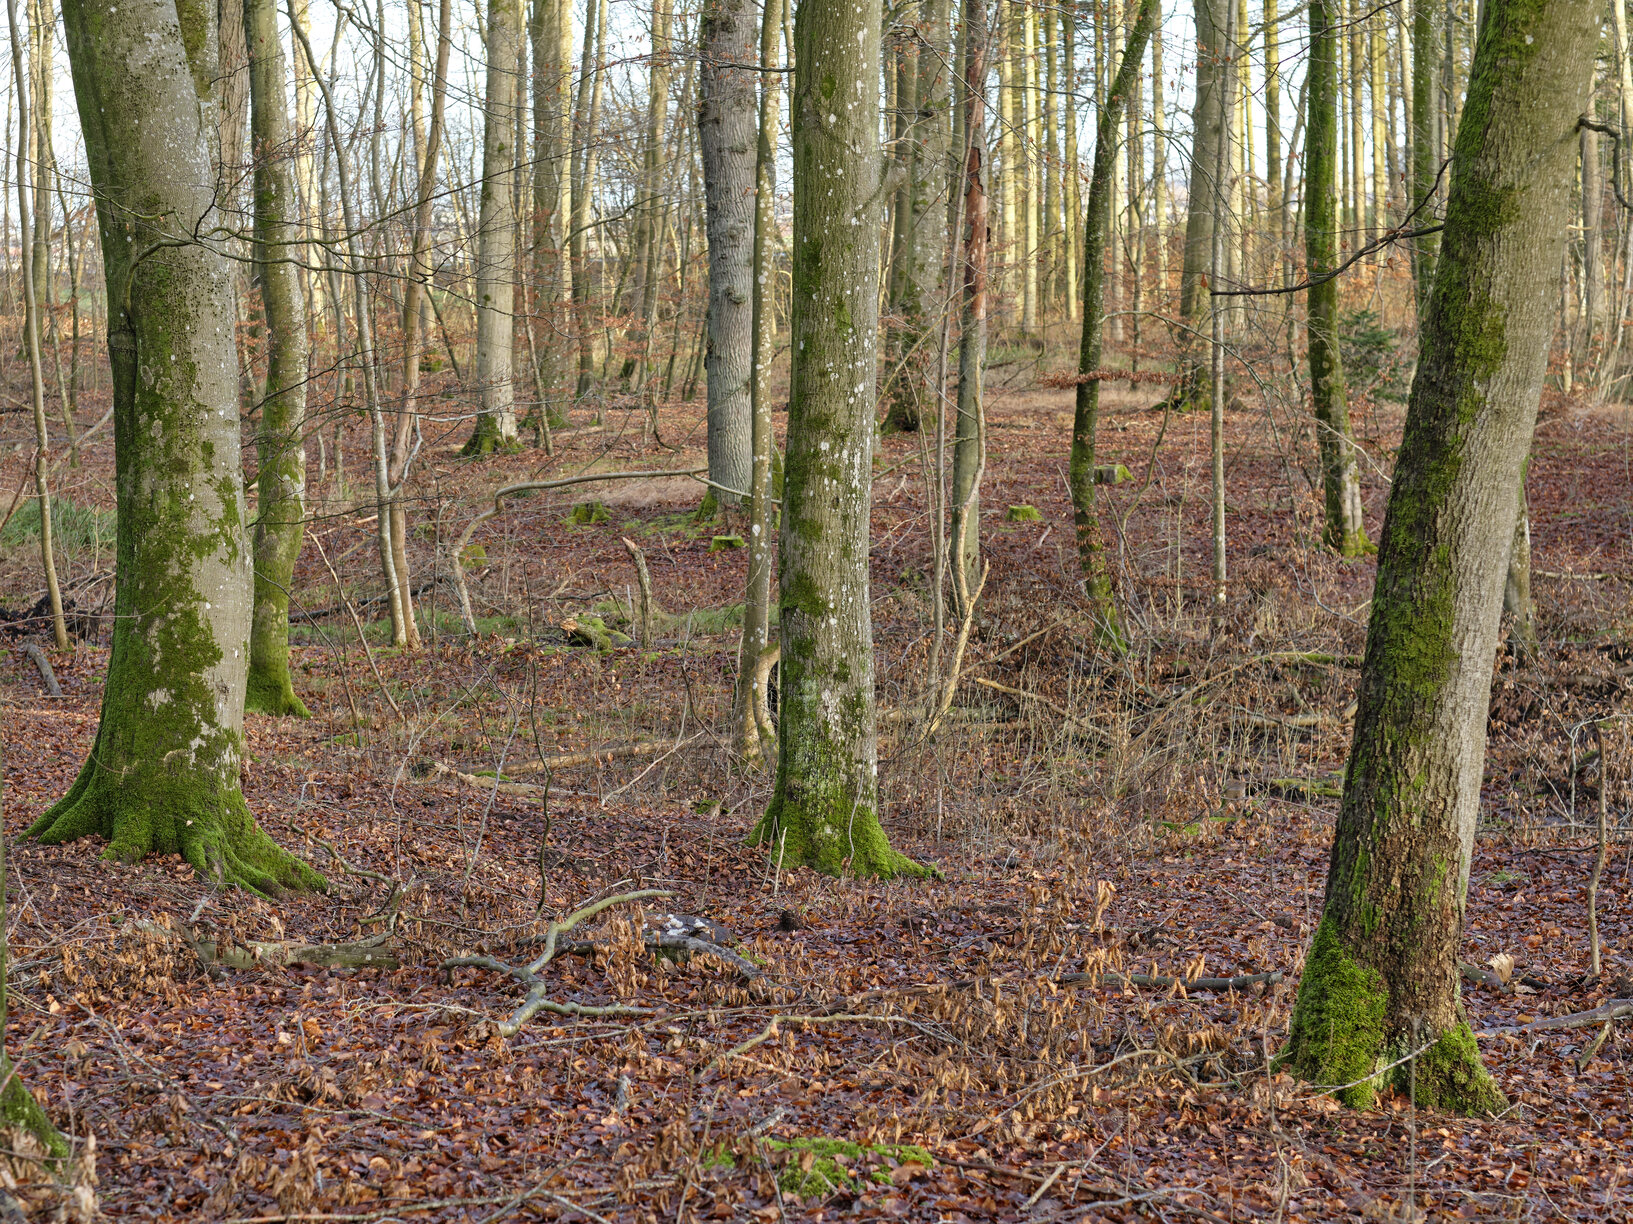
[38, 656]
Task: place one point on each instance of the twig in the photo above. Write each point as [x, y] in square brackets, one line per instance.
[1614, 1009]
[358, 624]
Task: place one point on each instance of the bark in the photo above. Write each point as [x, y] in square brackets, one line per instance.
[1031, 130]
[552, 102]
[1425, 139]
[496, 239]
[824, 811]
[1207, 124]
[1345, 529]
[1517, 603]
[969, 434]
[163, 773]
[42, 90]
[750, 724]
[1593, 263]
[1097, 585]
[726, 137]
[280, 439]
[1381, 980]
[586, 120]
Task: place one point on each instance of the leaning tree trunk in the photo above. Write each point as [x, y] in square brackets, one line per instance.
[1345, 530]
[1380, 984]
[163, 772]
[728, 143]
[280, 440]
[824, 811]
[496, 239]
[1194, 389]
[1086, 419]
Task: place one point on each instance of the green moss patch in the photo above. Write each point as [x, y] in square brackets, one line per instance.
[586, 513]
[1336, 1036]
[1023, 514]
[817, 1167]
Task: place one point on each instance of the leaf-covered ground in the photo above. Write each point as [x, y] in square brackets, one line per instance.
[971, 1049]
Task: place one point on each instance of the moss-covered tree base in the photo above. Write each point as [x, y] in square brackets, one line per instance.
[486, 439]
[209, 827]
[19, 1109]
[1337, 1040]
[847, 842]
[1351, 544]
[274, 695]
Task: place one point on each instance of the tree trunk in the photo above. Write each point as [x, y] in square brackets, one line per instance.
[1345, 528]
[496, 239]
[280, 438]
[42, 90]
[728, 143]
[751, 720]
[1425, 140]
[1517, 603]
[1097, 585]
[163, 773]
[586, 121]
[1009, 154]
[1380, 983]
[824, 811]
[1208, 111]
[552, 104]
[969, 433]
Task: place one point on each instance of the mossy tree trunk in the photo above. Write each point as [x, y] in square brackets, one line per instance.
[726, 120]
[1086, 418]
[163, 773]
[1345, 528]
[1381, 981]
[496, 239]
[824, 811]
[280, 441]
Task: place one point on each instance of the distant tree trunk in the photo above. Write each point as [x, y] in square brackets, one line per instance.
[1031, 130]
[1593, 262]
[1208, 111]
[162, 775]
[586, 122]
[1272, 121]
[751, 718]
[42, 90]
[1379, 998]
[552, 104]
[1517, 603]
[1345, 527]
[280, 437]
[1097, 585]
[28, 224]
[1009, 155]
[1425, 139]
[824, 811]
[644, 275]
[726, 137]
[1073, 181]
[496, 239]
[969, 434]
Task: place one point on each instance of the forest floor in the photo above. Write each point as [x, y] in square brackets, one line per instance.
[904, 1050]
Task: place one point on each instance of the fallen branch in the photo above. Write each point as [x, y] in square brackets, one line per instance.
[43, 664]
[375, 952]
[1615, 1009]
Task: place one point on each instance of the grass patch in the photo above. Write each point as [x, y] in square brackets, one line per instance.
[74, 528]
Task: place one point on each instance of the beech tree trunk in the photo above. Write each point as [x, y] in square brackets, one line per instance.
[280, 440]
[727, 139]
[1086, 417]
[969, 440]
[163, 773]
[1380, 984]
[1425, 139]
[496, 239]
[1208, 113]
[824, 811]
[1345, 528]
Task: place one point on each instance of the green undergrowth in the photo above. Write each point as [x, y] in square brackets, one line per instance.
[74, 528]
[816, 1167]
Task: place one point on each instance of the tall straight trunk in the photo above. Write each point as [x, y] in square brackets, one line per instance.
[824, 811]
[752, 736]
[1379, 998]
[1218, 313]
[1355, 113]
[1272, 119]
[1207, 124]
[162, 775]
[1072, 202]
[1345, 529]
[552, 101]
[496, 238]
[1031, 131]
[1425, 156]
[1091, 555]
[1009, 153]
[969, 432]
[1593, 262]
[586, 121]
[42, 27]
[644, 276]
[27, 225]
[280, 438]
[727, 140]
[1517, 603]
[1052, 252]
[1378, 95]
[1159, 172]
